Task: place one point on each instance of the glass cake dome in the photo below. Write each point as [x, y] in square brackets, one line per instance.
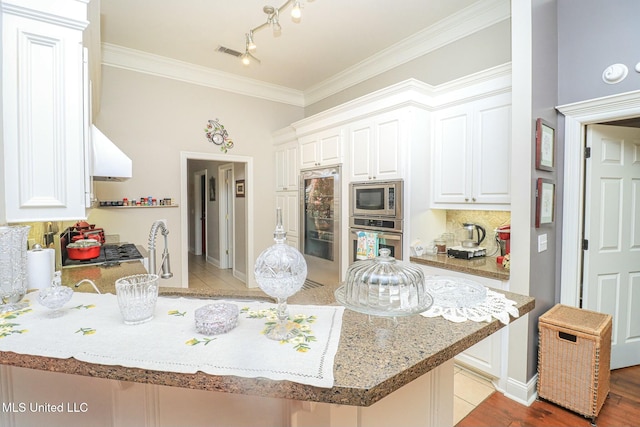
[382, 286]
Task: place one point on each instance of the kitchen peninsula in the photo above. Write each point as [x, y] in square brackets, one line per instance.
[385, 373]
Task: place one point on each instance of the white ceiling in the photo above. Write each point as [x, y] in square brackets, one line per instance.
[332, 37]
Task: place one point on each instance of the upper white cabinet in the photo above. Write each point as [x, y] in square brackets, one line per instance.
[322, 148]
[44, 109]
[376, 148]
[286, 158]
[472, 155]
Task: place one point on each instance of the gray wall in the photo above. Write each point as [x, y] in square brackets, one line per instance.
[592, 35]
[482, 50]
[545, 266]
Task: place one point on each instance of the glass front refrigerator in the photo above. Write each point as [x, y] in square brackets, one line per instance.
[320, 223]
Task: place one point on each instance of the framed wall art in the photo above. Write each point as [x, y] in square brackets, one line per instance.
[545, 146]
[545, 202]
[212, 189]
[240, 190]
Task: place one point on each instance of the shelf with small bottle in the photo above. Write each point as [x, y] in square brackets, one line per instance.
[143, 202]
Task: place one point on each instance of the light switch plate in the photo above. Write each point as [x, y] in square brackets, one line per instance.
[542, 242]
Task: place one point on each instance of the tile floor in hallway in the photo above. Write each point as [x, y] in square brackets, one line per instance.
[469, 388]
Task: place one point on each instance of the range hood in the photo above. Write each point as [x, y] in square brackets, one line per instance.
[109, 162]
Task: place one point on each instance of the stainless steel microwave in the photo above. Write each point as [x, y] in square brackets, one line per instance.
[376, 198]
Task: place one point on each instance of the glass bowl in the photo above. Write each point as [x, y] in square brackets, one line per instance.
[455, 292]
[215, 319]
[384, 287]
[54, 297]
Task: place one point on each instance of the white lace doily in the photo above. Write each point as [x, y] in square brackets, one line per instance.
[495, 305]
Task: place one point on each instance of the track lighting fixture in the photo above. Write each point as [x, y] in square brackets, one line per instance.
[273, 21]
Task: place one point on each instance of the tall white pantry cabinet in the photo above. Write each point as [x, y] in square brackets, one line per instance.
[44, 110]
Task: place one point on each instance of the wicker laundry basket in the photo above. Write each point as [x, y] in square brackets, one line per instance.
[574, 359]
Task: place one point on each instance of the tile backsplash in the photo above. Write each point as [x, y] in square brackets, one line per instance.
[489, 220]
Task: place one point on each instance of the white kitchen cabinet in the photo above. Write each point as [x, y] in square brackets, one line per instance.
[289, 202]
[376, 148]
[472, 155]
[286, 158]
[487, 355]
[322, 148]
[45, 103]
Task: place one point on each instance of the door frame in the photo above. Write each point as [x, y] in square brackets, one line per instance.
[577, 116]
[185, 156]
[197, 215]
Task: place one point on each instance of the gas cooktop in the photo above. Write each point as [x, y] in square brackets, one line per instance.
[110, 254]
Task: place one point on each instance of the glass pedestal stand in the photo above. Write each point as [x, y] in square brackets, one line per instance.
[280, 271]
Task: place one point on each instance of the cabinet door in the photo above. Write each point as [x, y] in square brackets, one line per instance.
[309, 153]
[288, 202]
[330, 146]
[361, 148]
[452, 156]
[281, 169]
[388, 149]
[286, 165]
[492, 152]
[321, 149]
[43, 119]
[376, 148]
[291, 168]
[472, 155]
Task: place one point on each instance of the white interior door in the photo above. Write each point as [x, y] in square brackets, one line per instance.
[611, 272]
[225, 174]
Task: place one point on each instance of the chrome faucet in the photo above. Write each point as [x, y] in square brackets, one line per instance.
[166, 267]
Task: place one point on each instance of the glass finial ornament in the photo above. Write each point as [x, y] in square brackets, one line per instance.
[280, 271]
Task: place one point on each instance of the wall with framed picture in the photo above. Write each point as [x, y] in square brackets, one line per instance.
[545, 202]
[545, 145]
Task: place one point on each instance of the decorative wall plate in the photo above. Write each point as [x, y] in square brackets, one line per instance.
[615, 73]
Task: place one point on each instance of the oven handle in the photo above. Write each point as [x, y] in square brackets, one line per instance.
[381, 234]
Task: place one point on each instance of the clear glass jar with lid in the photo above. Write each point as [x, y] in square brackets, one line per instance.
[383, 286]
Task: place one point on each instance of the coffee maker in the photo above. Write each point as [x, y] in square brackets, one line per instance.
[503, 237]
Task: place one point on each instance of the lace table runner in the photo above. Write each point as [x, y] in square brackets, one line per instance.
[494, 305]
[90, 328]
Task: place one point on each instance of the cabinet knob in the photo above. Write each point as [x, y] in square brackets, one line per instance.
[466, 199]
[473, 199]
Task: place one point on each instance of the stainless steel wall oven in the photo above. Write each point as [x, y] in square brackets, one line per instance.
[376, 219]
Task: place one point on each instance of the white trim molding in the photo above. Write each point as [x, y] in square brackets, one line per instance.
[147, 63]
[577, 116]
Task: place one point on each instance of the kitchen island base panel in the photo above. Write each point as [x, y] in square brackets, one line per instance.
[426, 401]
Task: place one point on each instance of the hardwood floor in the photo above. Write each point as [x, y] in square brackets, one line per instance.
[622, 408]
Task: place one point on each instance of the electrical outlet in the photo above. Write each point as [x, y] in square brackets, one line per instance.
[542, 242]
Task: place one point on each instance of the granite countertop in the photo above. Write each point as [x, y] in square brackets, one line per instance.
[376, 355]
[483, 266]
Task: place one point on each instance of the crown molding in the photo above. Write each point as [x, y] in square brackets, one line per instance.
[143, 62]
[474, 18]
[410, 92]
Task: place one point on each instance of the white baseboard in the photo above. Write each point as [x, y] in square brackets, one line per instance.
[524, 393]
[213, 261]
[240, 276]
